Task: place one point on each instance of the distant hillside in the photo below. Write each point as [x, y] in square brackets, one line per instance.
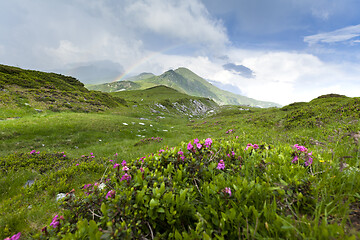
[28, 91]
[186, 81]
[162, 99]
[38, 91]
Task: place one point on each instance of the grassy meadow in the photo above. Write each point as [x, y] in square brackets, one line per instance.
[144, 167]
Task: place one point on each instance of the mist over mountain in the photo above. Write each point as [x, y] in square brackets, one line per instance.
[94, 72]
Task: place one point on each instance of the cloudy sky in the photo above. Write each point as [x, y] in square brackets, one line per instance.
[280, 50]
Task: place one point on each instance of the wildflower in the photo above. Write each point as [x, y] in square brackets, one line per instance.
[64, 155]
[300, 148]
[309, 161]
[125, 177]
[77, 164]
[221, 165]
[229, 131]
[82, 156]
[180, 152]
[55, 223]
[111, 160]
[295, 159]
[182, 157]
[255, 146]
[228, 190]
[248, 146]
[208, 142]
[196, 141]
[14, 237]
[125, 168]
[110, 194]
[161, 150]
[116, 165]
[190, 146]
[233, 153]
[87, 186]
[142, 170]
[32, 152]
[115, 154]
[198, 145]
[123, 163]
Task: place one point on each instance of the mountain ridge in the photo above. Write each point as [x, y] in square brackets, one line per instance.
[186, 81]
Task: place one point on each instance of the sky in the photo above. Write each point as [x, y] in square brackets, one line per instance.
[281, 51]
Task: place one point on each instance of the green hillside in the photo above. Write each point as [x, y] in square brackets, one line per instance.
[185, 81]
[160, 164]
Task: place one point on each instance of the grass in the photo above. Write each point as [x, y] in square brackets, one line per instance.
[272, 198]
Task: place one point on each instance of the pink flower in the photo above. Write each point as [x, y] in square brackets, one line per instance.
[295, 159]
[309, 161]
[111, 160]
[116, 165]
[125, 177]
[221, 165]
[125, 168]
[180, 152]
[228, 190]
[87, 186]
[198, 145]
[123, 163]
[196, 141]
[142, 170]
[55, 223]
[14, 237]
[110, 194]
[115, 154]
[182, 157]
[190, 146]
[208, 142]
[77, 164]
[32, 152]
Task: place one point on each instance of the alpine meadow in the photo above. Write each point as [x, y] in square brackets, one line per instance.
[157, 161]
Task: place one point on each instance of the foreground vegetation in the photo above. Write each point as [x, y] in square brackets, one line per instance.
[145, 170]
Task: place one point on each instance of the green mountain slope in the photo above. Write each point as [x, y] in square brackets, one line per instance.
[186, 81]
[25, 92]
[29, 91]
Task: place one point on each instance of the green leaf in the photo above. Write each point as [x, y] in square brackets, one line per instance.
[153, 203]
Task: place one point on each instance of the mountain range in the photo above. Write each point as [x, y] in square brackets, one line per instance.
[185, 81]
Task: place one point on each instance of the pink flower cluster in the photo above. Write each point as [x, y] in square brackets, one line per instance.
[34, 151]
[14, 237]
[302, 151]
[110, 194]
[181, 153]
[208, 142]
[56, 221]
[198, 145]
[221, 165]
[249, 145]
[300, 148]
[125, 177]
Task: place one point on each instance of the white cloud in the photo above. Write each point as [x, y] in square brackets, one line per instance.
[182, 20]
[281, 77]
[339, 35]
